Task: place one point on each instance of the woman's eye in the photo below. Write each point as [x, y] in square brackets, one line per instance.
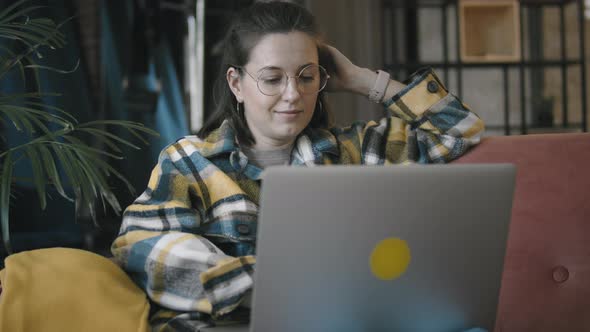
[307, 79]
[276, 80]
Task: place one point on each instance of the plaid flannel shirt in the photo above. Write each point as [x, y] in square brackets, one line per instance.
[189, 239]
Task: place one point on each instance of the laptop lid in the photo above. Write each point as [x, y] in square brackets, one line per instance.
[361, 248]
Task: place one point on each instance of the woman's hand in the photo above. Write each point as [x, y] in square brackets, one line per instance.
[348, 77]
[345, 75]
[341, 70]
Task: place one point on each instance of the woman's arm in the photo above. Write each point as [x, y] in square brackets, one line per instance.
[427, 123]
[159, 246]
[351, 78]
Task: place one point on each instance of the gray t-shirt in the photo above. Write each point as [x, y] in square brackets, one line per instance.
[265, 159]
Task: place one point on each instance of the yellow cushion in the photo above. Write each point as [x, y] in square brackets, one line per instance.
[61, 289]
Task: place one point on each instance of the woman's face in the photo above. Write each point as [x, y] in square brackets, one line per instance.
[275, 121]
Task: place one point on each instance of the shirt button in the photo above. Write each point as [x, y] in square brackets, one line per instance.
[560, 274]
[432, 87]
[238, 160]
[243, 229]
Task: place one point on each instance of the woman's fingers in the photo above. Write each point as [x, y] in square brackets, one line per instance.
[339, 67]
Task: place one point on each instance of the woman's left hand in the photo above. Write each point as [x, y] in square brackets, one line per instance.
[343, 73]
[348, 77]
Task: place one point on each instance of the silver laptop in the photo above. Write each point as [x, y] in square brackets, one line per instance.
[360, 248]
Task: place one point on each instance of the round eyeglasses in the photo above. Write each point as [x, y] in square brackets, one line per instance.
[273, 81]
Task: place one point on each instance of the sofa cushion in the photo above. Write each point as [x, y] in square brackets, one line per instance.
[546, 279]
[61, 289]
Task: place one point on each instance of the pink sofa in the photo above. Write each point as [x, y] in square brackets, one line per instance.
[546, 280]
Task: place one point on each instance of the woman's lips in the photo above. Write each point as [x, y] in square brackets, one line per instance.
[289, 112]
[289, 115]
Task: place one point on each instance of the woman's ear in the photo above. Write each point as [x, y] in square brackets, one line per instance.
[235, 83]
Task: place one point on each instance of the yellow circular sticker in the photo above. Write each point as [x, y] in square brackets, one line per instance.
[390, 259]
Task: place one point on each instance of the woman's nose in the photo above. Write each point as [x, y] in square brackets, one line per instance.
[292, 89]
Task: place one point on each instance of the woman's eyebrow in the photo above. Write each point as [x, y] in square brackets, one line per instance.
[276, 67]
[305, 65]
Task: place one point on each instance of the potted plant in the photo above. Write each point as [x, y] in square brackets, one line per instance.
[56, 144]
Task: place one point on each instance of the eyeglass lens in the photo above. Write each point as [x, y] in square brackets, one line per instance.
[311, 79]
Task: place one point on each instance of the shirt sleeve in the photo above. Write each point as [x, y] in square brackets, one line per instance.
[160, 247]
[427, 124]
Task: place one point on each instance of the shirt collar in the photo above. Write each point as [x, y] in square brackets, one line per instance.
[309, 148]
[219, 141]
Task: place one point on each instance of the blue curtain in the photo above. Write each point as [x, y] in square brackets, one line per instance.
[168, 116]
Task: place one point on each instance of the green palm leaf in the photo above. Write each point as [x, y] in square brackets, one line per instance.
[6, 16]
[5, 64]
[134, 128]
[83, 165]
[5, 199]
[51, 170]
[36, 29]
[33, 33]
[60, 71]
[38, 173]
[57, 148]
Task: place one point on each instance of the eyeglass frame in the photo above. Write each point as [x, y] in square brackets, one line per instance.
[288, 77]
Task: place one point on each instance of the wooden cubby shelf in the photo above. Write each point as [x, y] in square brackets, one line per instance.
[490, 30]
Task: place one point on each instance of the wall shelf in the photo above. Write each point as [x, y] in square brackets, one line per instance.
[489, 30]
[501, 35]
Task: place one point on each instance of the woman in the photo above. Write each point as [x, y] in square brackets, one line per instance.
[189, 239]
